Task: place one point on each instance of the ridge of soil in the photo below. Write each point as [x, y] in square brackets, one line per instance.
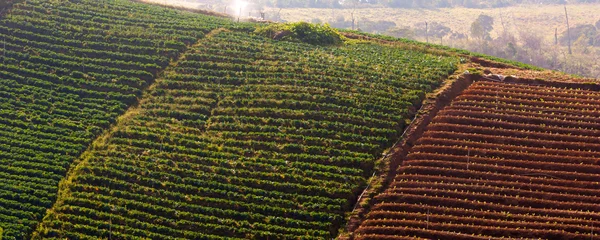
[388, 165]
[435, 102]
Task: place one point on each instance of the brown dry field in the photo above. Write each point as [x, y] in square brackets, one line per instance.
[543, 19]
[540, 18]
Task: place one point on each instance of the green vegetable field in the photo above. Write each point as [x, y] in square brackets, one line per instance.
[68, 69]
[121, 120]
[125, 120]
[246, 138]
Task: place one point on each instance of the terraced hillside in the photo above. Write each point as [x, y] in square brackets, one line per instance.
[120, 120]
[503, 160]
[68, 69]
[247, 138]
[240, 137]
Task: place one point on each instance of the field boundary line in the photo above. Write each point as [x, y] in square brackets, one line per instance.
[78, 166]
[383, 175]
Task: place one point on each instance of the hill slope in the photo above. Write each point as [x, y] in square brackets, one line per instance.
[247, 138]
[125, 120]
[503, 159]
[68, 69]
[240, 137]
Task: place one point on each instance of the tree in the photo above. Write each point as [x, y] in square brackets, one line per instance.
[432, 29]
[531, 40]
[510, 50]
[457, 35]
[340, 22]
[482, 26]
[438, 30]
[585, 34]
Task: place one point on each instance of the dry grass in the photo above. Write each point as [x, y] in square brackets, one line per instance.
[184, 6]
[541, 18]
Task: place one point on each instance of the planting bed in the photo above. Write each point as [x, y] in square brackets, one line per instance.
[502, 160]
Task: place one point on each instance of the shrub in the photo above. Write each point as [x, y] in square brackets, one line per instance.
[317, 34]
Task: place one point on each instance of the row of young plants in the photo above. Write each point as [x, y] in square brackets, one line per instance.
[502, 160]
[68, 69]
[583, 90]
[248, 138]
[393, 210]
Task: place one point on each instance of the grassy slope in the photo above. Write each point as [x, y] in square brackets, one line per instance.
[92, 60]
[529, 27]
[68, 70]
[438, 49]
[285, 123]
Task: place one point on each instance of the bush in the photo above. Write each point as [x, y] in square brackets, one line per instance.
[317, 34]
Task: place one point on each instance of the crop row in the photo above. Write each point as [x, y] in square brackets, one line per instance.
[502, 160]
[67, 74]
[249, 138]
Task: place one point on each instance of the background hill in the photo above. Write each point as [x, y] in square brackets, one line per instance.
[524, 31]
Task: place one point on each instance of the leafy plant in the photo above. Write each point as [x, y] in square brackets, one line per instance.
[247, 136]
[317, 34]
[69, 69]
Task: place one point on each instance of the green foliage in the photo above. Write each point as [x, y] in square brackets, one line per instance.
[68, 69]
[248, 137]
[585, 34]
[317, 34]
[5, 5]
[445, 50]
[511, 49]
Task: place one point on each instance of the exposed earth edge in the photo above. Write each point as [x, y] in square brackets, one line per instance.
[387, 166]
